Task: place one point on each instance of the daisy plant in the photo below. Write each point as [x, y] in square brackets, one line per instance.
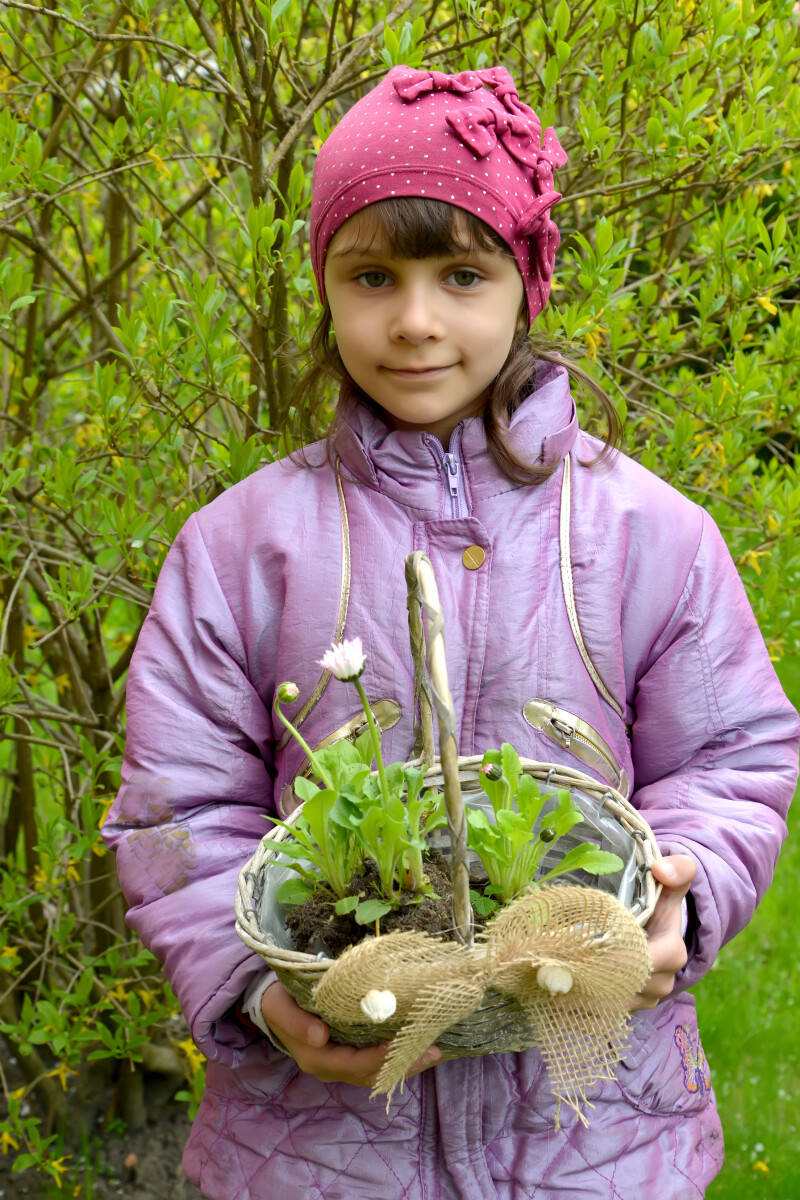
[511, 848]
[351, 815]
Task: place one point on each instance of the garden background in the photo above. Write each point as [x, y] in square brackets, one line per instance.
[155, 165]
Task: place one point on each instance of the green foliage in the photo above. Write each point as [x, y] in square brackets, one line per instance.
[750, 1026]
[512, 847]
[358, 817]
[155, 281]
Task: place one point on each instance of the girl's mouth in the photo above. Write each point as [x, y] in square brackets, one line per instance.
[417, 373]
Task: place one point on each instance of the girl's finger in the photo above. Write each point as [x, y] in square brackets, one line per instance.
[667, 953]
[430, 1058]
[342, 1064]
[658, 987]
[285, 1016]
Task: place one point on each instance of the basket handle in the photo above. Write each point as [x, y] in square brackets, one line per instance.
[430, 680]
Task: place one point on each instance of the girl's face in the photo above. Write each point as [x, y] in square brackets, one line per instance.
[424, 338]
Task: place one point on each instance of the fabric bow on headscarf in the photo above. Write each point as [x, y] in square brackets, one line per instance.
[480, 128]
[417, 83]
[535, 220]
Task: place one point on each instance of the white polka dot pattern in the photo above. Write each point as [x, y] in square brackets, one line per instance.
[467, 139]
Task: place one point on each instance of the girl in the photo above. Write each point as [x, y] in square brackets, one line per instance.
[570, 577]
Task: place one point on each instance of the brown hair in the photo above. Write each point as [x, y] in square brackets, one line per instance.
[419, 228]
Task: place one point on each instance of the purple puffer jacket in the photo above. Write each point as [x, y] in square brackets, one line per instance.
[251, 595]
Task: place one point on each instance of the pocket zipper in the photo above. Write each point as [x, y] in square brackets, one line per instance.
[577, 736]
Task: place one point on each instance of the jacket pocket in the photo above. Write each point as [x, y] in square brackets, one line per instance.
[665, 1070]
[577, 736]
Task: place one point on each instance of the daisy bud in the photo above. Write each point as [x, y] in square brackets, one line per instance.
[288, 692]
[379, 1006]
[345, 660]
[492, 771]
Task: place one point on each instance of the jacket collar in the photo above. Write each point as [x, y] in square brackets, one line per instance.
[406, 465]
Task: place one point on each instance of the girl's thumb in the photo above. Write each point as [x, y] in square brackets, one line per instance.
[675, 872]
[316, 1033]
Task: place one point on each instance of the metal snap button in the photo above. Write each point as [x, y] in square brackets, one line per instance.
[473, 557]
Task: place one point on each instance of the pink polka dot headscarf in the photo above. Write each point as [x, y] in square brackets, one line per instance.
[466, 139]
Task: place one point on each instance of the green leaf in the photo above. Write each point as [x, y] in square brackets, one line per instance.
[335, 759]
[395, 777]
[510, 823]
[552, 73]
[413, 779]
[296, 185]
[304, 789]
[655, 132]
[586, 858]
[392, 44]
[477, 820]
[292, 850]
[509, 761]
[604, 237]
[346, 904]
[371, 910]
[293, 892]
[9, 688]
[498, 790]
[561, 19]
[365, 748]
[23, 1161]
[529, 799]
[483, 904]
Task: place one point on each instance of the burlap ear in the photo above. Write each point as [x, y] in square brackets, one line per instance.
[579, 941]
[402, 963]
[596, 944]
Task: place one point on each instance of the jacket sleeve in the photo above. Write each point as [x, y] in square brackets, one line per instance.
[715, 750]
[195, 791]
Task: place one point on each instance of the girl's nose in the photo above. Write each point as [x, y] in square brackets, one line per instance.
[415, 317]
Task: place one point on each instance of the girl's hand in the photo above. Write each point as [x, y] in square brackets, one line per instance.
[306, 1038]
[666, 944]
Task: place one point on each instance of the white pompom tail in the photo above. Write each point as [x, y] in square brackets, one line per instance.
[379, 1006]
[554, 979]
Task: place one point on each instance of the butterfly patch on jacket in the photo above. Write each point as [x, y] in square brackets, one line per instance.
[696, 1077]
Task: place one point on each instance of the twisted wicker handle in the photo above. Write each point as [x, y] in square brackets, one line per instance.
[431, 680]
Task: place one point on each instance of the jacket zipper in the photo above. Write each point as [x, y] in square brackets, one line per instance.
[451, 468]
[568, 733]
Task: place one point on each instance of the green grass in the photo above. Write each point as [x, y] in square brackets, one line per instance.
[749, 1013]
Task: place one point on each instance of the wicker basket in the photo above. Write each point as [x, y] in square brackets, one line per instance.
[499, 1024]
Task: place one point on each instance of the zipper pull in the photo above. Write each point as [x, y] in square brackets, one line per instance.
[451, 464]
[565, 731]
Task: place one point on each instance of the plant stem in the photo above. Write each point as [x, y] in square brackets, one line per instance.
[312, 758]
[376, 741]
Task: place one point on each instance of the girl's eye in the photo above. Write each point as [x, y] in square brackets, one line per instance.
[464, 277]
[373, 279]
